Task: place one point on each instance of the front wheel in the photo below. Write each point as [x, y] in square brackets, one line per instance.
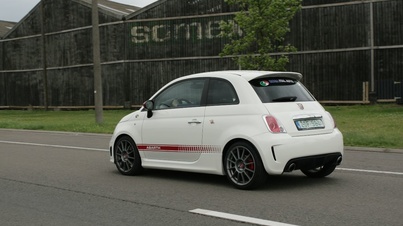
[243, 166]
[127, 157]
[319, 172]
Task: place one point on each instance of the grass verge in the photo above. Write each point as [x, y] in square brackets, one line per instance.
[370, 125]
[70, 121]
[362, 125]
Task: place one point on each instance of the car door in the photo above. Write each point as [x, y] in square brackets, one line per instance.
[174, 132]
[222, 112]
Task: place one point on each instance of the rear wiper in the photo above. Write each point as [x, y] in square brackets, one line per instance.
[285, 99]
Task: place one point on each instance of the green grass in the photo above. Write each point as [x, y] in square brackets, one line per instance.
[362, 125]
[370, 126]
[72, 121]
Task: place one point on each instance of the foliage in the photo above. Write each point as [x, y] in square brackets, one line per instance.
[264, 24]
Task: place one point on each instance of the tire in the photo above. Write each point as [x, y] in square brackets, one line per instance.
[127, 157]
[243, 166]
[320, 172]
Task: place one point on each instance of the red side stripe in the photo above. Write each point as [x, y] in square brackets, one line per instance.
[179, 148]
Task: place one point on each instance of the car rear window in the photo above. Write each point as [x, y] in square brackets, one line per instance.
[280, 90]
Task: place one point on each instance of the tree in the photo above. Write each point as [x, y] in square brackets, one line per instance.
[264, 24]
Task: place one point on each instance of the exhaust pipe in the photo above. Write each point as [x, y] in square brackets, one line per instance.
[291, 167]
[339, 159]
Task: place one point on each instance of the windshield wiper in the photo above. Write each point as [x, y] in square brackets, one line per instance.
[285, 99]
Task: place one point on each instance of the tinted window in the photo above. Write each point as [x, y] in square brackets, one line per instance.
[221, 92]
[186, 93]
[280, 90]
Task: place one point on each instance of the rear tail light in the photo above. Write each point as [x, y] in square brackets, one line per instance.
[273, 124]
[334, 122]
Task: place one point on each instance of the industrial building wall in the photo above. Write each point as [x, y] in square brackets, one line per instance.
[388, 33]
[341, 45]
[333, 49]
[182, 8]
[338, 48]
[68, 49]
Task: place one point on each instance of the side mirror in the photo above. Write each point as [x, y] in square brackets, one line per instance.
[149, 106]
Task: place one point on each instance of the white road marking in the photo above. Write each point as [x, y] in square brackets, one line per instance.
[238, 218]
[371, 171]
[52, 145]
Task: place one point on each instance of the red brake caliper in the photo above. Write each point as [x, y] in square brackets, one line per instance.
[251, 166]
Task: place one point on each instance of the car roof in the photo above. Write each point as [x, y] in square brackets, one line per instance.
[248, 74]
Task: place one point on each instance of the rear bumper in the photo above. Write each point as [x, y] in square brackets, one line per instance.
[279, 151]
[310, 162]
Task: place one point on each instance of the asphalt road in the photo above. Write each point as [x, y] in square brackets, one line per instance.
[66, 179]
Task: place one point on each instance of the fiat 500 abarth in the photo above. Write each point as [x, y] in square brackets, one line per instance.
[242, 124]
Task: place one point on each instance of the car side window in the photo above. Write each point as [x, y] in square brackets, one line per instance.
[183, 94]
[221, 92]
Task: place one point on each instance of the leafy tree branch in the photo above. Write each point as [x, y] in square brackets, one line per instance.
[264, 24]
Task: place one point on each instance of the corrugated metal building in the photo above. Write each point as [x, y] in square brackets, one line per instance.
[346, 48]
[5, 27]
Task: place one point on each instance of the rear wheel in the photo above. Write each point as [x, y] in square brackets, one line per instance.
[243, 166]
[319, 172]
[127, 157]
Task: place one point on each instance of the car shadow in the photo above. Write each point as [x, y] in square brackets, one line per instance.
[287, 181]
[199, 178]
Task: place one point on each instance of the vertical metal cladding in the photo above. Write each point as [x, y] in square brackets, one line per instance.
[388, 33]
[335, 75]
[388, 23]
[333, 27]
[184, 8]
[323, 2]
[173, 38]
[389, 65]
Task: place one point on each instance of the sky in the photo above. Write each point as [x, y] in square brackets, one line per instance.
[15, 10]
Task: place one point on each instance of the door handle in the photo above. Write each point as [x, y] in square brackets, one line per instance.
[194, 122]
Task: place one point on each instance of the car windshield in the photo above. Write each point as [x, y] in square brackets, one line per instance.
[280, 90]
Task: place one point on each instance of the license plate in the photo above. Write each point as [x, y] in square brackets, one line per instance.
[307, 124]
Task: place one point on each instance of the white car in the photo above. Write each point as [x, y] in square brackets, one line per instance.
[242, 124]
